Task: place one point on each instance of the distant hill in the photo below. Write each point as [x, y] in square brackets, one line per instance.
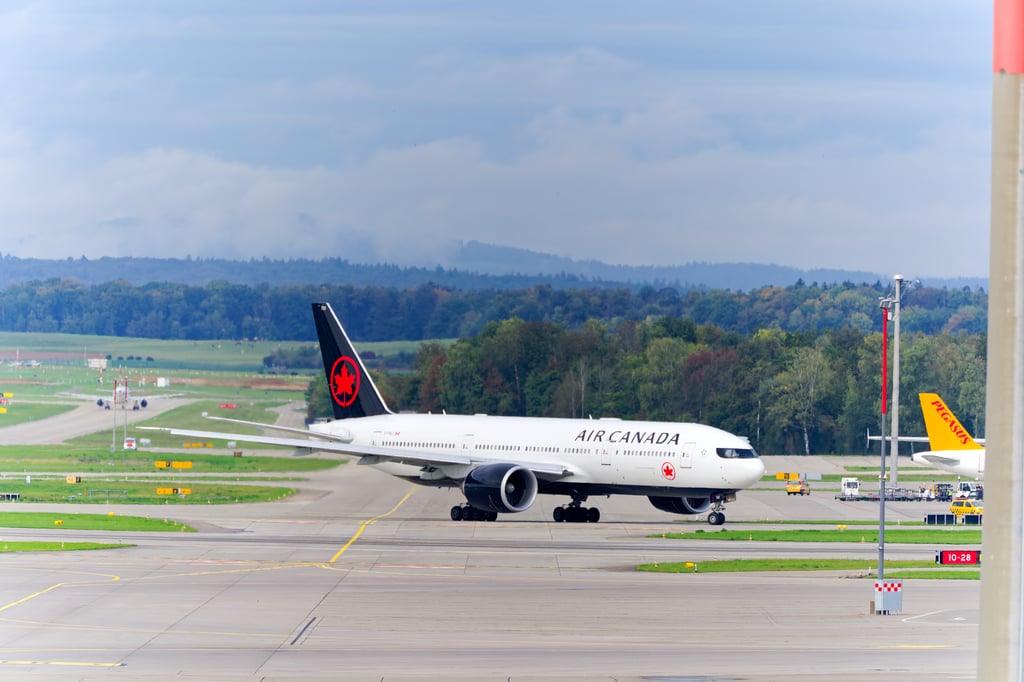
[473, 266]
[490, 259]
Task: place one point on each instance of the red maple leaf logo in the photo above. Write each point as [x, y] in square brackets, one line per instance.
[344, 381]
[668, 471]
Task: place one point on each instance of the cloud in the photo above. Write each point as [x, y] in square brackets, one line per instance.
[659, 135]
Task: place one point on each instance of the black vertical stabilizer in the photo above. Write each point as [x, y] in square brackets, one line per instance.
[349, 384]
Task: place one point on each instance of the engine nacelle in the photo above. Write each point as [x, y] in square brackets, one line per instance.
[500, 488]
[681, 505]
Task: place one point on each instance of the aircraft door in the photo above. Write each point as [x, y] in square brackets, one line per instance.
[466, 444]
[687, 454]
[377, 438]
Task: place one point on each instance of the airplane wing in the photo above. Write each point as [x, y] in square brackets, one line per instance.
[368, 454]
[344, 437]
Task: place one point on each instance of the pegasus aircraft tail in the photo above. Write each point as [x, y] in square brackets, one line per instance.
[945, 432]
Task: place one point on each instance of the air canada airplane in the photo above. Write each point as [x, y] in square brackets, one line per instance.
[953, 448]
[501, 464]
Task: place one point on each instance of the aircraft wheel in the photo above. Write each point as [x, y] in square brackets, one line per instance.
[593, 515]
[491, 516]
[716, 518]
[456, 513]
[558, 514]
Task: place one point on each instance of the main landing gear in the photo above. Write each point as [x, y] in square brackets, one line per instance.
[468, 513]
[717, 516]
[575, 512]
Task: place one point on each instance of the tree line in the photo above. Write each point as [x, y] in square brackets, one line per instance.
[788, 392]
[222, 310]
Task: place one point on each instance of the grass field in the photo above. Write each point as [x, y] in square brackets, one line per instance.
[117, 490]
[16, 460]
[38, 473]
[146, 355]
[27, 412]
[57, 546]
[955, 535]
[109, 522]
[893, 569]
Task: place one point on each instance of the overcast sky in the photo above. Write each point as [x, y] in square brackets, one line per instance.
[853, 134]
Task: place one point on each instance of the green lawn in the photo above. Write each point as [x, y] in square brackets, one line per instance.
[57, 546]
[17, 460]
[857, 566]
[135, 354]
[917, 536]
[117, 490]
[110, 522]
[18, 413]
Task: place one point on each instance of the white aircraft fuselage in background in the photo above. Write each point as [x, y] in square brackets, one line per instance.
[965, 463]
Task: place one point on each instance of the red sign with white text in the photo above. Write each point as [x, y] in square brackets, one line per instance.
[960, 557]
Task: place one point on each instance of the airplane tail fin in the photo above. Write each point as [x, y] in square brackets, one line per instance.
[945, 432]
[352, 391]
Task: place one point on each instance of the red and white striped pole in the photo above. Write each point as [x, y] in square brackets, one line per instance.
[1001, 641]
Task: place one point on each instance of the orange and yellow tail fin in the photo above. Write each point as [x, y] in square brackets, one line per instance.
[945, 432]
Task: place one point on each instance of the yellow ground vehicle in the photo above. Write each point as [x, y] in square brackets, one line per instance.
[797, 487]
[961, 506]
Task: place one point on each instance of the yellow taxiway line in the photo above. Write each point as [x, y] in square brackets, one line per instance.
[369, 522]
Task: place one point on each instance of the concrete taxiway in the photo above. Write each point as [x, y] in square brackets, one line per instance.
[362, 577]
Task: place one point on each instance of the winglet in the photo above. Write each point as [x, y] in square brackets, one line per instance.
[352, 391]
[945, 432]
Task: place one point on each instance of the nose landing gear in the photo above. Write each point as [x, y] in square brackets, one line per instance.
[717, 515]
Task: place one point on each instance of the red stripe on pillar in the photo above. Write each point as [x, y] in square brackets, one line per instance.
[1008, 36]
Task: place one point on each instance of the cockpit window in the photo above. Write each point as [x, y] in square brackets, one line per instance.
[736, 453]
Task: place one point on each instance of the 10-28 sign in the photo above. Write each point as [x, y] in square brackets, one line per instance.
[958, 556]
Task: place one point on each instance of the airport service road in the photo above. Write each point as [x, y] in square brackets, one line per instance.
[84, 419]
[363, 578]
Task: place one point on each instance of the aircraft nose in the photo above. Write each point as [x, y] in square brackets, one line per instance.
[751, 472]
[758, 471]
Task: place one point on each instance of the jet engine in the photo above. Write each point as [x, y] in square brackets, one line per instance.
[500, 488]
[681, 505]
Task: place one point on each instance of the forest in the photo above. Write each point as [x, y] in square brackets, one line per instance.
[222, 310]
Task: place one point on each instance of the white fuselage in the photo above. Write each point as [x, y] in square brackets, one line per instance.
[599, 455]
[966, 463]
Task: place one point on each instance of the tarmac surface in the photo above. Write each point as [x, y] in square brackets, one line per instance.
[363, 577]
